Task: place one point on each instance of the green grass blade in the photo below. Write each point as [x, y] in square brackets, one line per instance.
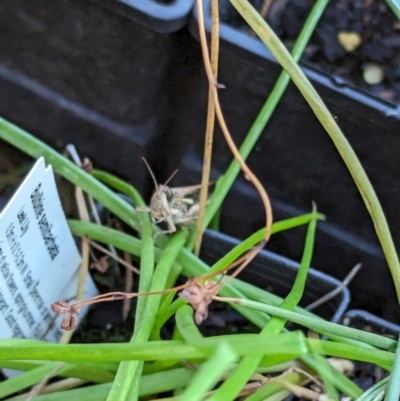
[126, 383]
[394, 6]
[323, 327]
[129, 373]
[384, 359]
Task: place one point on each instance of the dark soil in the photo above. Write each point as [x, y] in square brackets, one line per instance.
[373, 20]
[365, 374]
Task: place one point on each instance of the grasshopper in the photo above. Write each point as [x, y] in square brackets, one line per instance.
[174, 206]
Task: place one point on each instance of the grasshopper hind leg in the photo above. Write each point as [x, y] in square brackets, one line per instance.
[171, 228]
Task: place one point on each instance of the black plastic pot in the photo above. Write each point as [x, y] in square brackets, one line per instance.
[91, 74]
[361, 319]
[295, 160]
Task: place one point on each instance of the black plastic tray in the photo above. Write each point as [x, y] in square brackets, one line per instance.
[295, 160]
[91, 74]
[361, 318]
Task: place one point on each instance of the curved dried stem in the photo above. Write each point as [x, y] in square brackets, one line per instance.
[209, 137]
[213, 84]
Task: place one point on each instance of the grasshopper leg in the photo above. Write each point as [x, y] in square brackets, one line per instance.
[171, 228]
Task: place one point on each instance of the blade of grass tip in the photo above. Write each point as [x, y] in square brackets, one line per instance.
[61, 165]
[227, 180]
[393, 386]
[394, 6]
[321, 326]
[210, 373]
[342, 145]
[247, 366]
[127, 380]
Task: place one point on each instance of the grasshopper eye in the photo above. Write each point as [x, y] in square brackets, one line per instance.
[168, 193]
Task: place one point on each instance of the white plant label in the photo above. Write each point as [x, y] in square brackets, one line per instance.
[38, 259]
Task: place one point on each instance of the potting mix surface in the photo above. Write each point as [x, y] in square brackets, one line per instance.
[356, 40]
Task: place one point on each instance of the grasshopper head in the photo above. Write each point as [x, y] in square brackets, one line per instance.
[159, 204]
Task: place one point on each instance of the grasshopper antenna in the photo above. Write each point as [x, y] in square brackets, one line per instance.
[151, 173]
[171, 177]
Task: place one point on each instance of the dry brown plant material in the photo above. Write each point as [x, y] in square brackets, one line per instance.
[209, 135]
[87, 165]
[100, 265]
[342, 365]
[265, 7]
[199, 297]
[71, 314]
[39, 387]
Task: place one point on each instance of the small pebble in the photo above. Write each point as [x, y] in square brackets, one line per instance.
[373, 74]
[349, 40]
